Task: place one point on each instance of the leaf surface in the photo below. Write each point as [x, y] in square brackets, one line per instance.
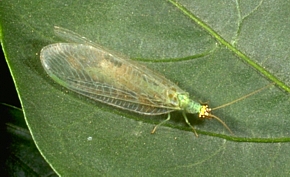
[216, 51]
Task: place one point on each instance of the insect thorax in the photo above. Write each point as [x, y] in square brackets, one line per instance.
[188, 105]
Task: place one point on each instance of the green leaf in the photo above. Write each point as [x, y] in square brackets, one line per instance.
[217, 51]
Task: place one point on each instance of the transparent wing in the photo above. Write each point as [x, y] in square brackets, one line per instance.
[70, 36]
[101, 76]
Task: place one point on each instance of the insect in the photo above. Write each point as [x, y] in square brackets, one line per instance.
[99, 74]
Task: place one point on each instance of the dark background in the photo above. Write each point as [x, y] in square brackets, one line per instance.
[8, 92]
[19, 156]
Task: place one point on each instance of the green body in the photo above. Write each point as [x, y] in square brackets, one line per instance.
[95, 72]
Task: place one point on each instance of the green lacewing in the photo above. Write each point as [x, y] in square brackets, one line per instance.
[97, 73]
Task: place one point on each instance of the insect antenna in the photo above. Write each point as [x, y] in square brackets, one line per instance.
[222, 122]
[206, 111]
[243, 97]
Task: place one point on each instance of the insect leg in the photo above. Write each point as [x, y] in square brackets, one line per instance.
[186, 120]
[167, 119]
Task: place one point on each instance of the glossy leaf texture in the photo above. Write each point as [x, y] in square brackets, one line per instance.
[216, 51]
